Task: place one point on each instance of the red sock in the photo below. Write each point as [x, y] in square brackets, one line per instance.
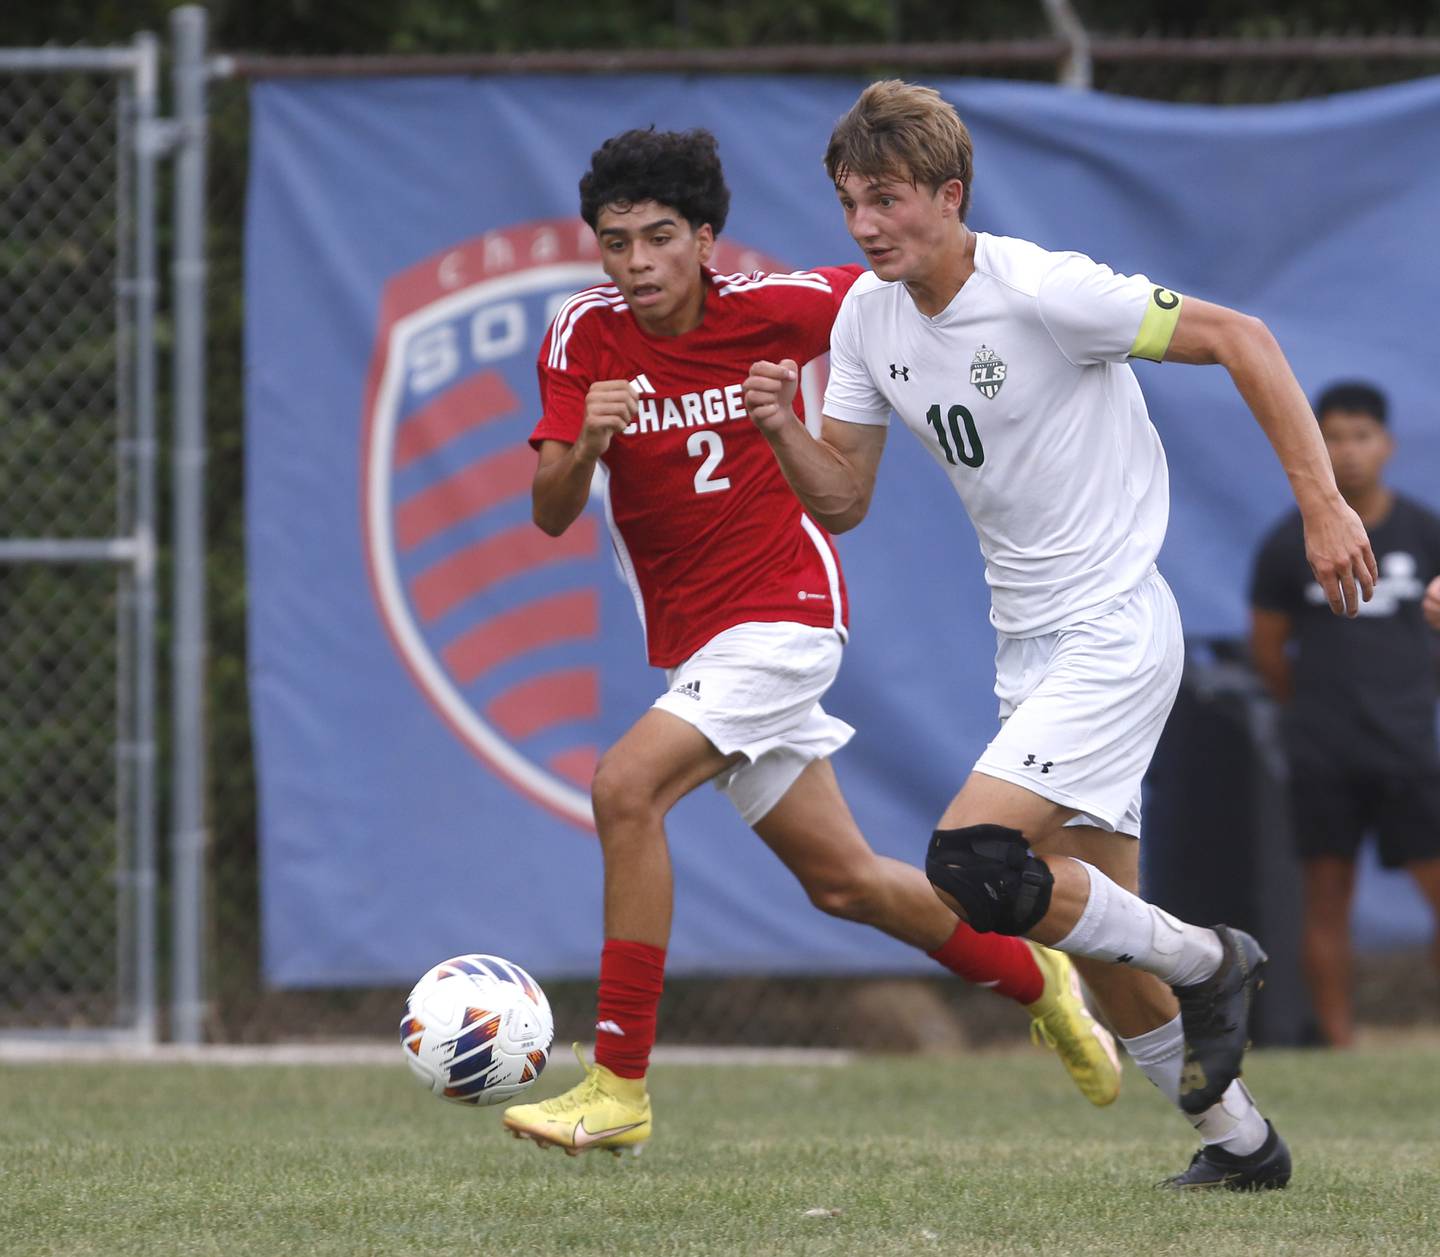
[631, 978]
[1002, 962]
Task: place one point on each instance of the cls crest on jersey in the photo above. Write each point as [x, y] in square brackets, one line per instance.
[987, 371]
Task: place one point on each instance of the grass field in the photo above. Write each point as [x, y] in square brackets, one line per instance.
[988, 1154]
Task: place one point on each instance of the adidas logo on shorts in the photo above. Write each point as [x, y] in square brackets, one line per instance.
[691, 689]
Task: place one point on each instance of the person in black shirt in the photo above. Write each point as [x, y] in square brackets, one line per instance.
[1359, 696]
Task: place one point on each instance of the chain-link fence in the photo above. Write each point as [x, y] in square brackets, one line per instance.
[893, 1013]
[75, 806]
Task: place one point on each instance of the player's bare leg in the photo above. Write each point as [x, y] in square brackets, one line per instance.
[1238, 1144]
[1329, 888]
[657, 762]
[1427, 877]
[991, 852]
[814, 834]
[1078, 909]
[1098, 918]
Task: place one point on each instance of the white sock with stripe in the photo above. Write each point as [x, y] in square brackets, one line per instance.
[1232, 1122]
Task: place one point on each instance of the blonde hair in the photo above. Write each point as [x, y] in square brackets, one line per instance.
[902, 129]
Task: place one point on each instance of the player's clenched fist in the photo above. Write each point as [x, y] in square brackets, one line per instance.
[770, 393]
[610, 406]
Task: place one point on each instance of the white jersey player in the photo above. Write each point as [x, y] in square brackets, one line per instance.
[1010, 364]
[1002, 388]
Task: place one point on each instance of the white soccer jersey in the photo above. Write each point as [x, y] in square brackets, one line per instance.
[1021, 391]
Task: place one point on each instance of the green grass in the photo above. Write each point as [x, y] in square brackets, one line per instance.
[982, 1155]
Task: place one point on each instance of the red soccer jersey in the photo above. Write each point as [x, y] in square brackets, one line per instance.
[706, 529]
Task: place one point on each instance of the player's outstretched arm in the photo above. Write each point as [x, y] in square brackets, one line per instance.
[561, 486]
[834, 477]
[1335, 540]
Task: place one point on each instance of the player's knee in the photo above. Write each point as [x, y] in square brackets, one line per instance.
[844, 893]
[991, 873]
[622, 795]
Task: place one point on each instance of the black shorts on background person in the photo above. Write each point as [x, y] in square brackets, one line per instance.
[1359, 694]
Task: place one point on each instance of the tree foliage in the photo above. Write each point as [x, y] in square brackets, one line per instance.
[409, 26]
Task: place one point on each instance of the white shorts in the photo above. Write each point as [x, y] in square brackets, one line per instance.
[1082, 709]
[755, 689]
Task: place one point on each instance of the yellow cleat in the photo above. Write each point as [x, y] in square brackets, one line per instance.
[1063, 1023]
[603, 1111]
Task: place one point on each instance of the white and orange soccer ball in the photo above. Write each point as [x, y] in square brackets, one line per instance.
[477, 1030]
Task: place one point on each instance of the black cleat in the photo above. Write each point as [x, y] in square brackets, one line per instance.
[1215, 1016]
[1266, 1168]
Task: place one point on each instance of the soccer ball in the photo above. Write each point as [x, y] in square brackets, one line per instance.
[477, 1030]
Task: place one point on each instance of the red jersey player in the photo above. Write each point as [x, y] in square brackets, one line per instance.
[743, 604]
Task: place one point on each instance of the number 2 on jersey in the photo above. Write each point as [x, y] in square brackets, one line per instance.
[958, 415]
[709, 444]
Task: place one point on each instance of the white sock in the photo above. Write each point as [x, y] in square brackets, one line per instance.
[1121, 927]
[1233, 1122]
[1160, 1053]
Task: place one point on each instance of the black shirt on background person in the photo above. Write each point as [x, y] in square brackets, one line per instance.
[1363, 690]
[1360, 696]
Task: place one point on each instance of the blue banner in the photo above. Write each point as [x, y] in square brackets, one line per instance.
[432, 678]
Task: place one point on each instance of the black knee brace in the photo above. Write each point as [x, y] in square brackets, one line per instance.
[990, 871]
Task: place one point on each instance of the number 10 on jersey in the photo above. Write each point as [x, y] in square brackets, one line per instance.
[961, 432]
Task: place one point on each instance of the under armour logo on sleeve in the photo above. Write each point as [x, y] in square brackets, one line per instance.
[899, 373]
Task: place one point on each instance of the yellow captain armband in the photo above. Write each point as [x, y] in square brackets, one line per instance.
[1162, 313]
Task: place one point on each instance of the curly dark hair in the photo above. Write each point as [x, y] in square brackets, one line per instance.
[680, 169]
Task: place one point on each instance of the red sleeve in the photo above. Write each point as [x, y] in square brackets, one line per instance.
[815, 308]
[841, 278]
[564, 381]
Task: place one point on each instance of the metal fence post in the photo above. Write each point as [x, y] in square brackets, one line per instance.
[1075, 68]
[148, 150]
[187, 27]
